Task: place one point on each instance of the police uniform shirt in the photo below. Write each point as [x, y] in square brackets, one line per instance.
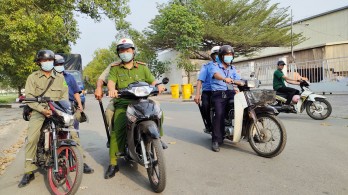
[204, 75]
[72, 84]
[229, 72]
[123, 76]
[37, 83]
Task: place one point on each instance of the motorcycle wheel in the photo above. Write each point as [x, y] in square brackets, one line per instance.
[320, 109]
[272, 138]
[70, 170]
[156, 170]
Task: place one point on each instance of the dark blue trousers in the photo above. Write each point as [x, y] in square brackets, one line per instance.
[220, 100]
[206, 104]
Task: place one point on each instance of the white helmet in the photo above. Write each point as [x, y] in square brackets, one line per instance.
[124, 43]
[215, 49]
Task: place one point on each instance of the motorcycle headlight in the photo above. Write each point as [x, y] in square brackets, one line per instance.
[131, 114]
[141, 91]
[68, 119]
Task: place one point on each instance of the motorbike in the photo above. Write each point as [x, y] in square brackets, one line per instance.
[56, 152]
[248, 116]
[143, 144]
[317, 107]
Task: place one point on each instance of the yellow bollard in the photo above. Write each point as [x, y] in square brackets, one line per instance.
[174, 90]
[186, 91]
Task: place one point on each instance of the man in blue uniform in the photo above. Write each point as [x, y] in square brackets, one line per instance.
[203, 83]
[74, 94]
[224, 73]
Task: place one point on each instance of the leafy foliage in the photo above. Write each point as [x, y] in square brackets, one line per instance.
[31, 25]
[247, 25]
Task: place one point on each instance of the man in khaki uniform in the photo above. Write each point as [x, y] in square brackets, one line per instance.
[36, 84]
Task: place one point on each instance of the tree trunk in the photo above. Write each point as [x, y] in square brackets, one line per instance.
[19, 90]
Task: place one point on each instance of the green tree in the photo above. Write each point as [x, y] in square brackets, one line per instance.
[246, 25]
[101, 59]
[30, 25]
[184, 62]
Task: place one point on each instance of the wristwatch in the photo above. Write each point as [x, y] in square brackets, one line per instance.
[224, 80]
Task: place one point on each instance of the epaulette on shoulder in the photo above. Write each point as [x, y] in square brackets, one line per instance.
[141, 63]
[115, 64]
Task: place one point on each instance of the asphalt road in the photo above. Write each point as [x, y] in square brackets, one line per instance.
[314, 160]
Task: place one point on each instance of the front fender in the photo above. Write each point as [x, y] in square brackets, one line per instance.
[266, 109]
[149, 128]
[66, 142]
[312, 97]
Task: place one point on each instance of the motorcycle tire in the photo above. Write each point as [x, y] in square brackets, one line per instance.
[69, 162]
[267, 135]
[312, 110]
[157, 170]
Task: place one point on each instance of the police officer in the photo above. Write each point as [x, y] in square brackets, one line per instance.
[224, 73]
[36, 84]
[74, 94]
[203, 83]
[121, 75]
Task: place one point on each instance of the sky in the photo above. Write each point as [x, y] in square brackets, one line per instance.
[100, 35]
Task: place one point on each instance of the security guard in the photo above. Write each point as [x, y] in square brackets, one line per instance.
[223, 73]
[35, 85]
[74, 95]
[203, 83]
[121, 75]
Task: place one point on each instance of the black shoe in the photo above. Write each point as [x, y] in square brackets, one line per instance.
[112, 170]
[26, 179]
[108, 144]
[164, 145]
[87, 169]
[215, 147]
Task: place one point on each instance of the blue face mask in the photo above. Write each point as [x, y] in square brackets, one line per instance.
[126, 57]
[59, 68]
[228, 59]
[47, 66]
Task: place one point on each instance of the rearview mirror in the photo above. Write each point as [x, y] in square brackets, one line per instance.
[165, 80]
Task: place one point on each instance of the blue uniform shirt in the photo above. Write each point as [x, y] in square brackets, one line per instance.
[230, 72]
[204, 75]
[72, 84]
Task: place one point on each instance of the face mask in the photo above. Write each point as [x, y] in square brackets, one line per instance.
[228, 59]
[217, 58]
[59, 68]
[126, 57]
[47, 66]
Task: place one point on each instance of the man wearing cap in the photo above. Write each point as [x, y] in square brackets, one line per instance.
[203, 82]
[279, 84]
[121, 75]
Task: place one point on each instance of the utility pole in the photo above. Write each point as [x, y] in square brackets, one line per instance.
[292, 42]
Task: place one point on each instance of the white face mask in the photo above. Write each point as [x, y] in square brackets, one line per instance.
[47, 66]
[59, 68]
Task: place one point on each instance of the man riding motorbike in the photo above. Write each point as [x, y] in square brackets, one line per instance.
[121, 75]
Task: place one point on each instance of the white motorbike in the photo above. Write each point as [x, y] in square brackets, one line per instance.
[250, 117]
[317, 106]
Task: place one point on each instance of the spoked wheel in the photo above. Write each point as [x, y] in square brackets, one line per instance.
[320, 109]
[272, 138]
[70, 169]
[156, 170]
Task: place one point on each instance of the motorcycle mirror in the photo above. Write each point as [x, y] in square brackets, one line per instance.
[165, 80]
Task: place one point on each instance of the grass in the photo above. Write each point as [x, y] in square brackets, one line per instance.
[5, 99]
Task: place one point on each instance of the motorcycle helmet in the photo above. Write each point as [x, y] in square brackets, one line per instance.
[214, 51]
[58, 59]
[44, 55]
[124, 43]
[225, 49]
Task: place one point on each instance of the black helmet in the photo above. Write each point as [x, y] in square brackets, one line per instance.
[225, 49]
[44, 55]
[58, 59]
[281, 62]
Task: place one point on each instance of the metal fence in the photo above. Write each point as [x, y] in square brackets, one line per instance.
[319, 71]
